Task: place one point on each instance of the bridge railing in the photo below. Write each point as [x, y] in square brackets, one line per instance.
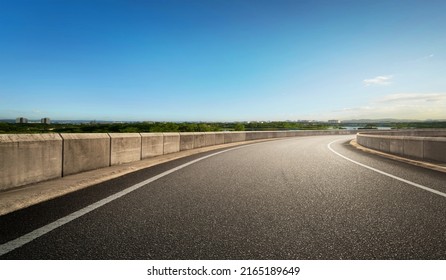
[427, 145]
[32, 158]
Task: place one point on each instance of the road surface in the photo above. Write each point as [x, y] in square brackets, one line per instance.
[297, 198]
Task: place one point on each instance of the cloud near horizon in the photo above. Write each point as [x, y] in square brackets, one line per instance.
[418, 97]
[378, 81]
[417, 106]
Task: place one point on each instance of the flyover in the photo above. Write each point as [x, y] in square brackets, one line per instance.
[312, 197]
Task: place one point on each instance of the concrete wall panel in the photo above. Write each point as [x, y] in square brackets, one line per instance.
[200, 140]
[152, 144]
[238, 136]
[209, 139]
[281, 134]
[270, 134]
[360, 140]
[29, 158]
[85, 151]
[397, 146]
[251, 135]
[427, 148]
[262, 135]
[227, 137]
[171, 142]
[413, 147]
[375, 143]
[125, 147]
[384, 145]
[255, 135]
[187, 140]
[435, 148]
[219, 138]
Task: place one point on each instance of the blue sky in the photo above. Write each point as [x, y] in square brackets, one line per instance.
[222, 60]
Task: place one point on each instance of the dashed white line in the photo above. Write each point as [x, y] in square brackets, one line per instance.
[385, 173]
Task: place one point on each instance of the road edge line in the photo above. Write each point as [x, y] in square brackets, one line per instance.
[27, 238]
[385, 173]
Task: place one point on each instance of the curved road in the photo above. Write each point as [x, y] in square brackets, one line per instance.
[297, 198]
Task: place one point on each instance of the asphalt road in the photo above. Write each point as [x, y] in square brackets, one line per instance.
[287, 199]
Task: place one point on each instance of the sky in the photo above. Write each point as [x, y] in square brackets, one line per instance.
[222, 60]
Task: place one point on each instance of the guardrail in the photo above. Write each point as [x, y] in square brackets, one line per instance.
[32, 158]
[427, 145]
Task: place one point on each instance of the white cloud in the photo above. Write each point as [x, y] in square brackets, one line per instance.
[414, 97]
[425, 57]
[418, 106]
[379, 81]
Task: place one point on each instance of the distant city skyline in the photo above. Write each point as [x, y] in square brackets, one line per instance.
[228, 60]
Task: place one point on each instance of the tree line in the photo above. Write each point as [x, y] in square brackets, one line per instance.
[155, 127]
[94, 127]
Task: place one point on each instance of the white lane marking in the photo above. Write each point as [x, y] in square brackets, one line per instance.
[20, 241]
[386, 174]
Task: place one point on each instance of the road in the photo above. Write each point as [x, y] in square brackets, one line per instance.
[297, 198]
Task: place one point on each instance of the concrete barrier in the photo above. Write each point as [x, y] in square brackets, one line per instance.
[435, 148]
[231, 137]
[209, 138]
[384, 145]
[302, 133]
[396, 146]
[407, 132]
[270, 134]
[417, 147]
[152, 144]
[171, 142]
[227, 137]
[187, 140]
[85, 151]
[291, 133]
[256, 135]
[219, 138]
[199, 140]
[29, 158]
[239, 137]
[125, 147]
[413, 147]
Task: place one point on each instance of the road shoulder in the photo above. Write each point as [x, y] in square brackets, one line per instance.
[25, 196]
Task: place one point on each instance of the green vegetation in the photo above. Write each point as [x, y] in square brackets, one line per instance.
[94, 127]
[370, 126]
[287, 125]
[418, 125]
[154, 127]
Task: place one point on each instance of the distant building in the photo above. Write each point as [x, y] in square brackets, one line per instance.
[45, 120]
[21, 120]
[334, 121]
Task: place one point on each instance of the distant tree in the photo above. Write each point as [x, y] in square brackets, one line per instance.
[239, 127]
[4, 127]
[129, 129]
[202, 127]
[164, 127]
[188, 127]
[370, 126]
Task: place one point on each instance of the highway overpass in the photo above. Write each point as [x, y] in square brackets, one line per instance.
[313, 197]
